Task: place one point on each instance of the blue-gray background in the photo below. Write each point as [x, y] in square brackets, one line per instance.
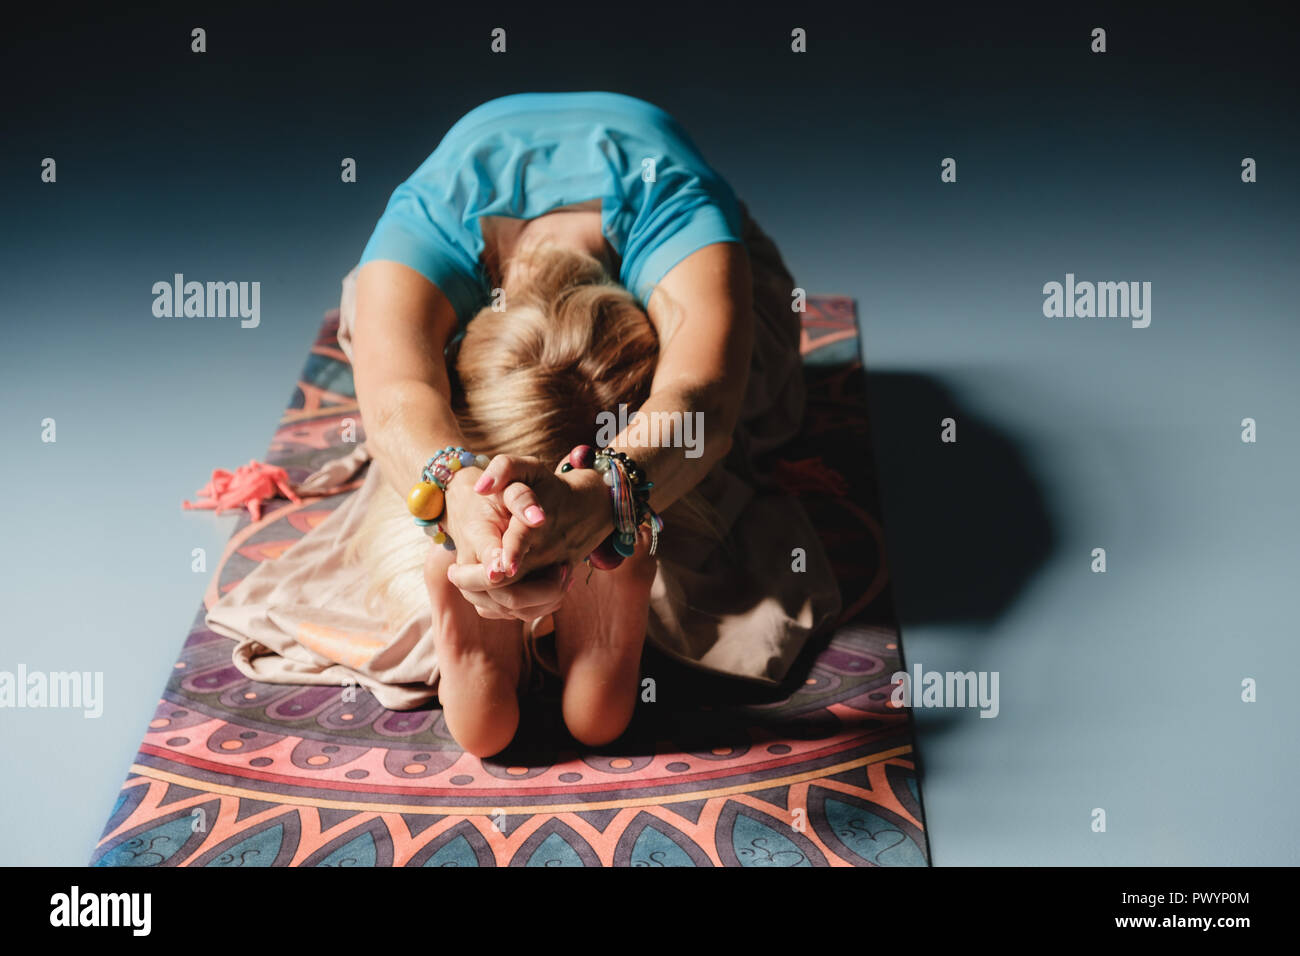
[1119, 691]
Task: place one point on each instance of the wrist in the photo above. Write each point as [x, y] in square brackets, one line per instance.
[597, 519]
[459, 491]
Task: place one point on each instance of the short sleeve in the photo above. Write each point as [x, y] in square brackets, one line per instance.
[684, 223]
[406, 234]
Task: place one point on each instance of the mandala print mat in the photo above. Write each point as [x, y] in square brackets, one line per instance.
[713, 773]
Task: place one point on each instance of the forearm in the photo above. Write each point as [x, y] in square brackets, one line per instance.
[703, 314]
[406, 422]
[679, 434]
[402, 324]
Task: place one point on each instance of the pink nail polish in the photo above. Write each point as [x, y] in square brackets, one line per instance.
[484, 483]
[534, 514]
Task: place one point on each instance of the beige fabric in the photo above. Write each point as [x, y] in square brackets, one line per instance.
[738, 608]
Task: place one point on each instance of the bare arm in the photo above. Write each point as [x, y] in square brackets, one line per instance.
[403, 322]
[703, 312]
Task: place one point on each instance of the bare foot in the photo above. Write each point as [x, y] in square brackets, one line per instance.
[599, 631]
[479, 664]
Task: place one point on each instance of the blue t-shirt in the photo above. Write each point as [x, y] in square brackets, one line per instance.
[529, 153]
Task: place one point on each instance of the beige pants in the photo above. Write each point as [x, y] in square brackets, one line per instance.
[738, 608]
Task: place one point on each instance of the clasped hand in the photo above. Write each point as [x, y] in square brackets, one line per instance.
[521, 528]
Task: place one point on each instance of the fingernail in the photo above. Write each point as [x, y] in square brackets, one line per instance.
[514, 568]
[484, 483]
[534, 514]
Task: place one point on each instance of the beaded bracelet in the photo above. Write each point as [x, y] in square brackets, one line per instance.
[436, 531]
[630, 494]
[427, 499]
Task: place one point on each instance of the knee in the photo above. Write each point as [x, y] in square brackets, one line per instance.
[488, 737]
[597, 724]
[598, 704]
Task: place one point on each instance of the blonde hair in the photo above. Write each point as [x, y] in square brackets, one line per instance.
[530, 380]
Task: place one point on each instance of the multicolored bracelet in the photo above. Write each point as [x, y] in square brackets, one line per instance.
[630, 496]
[428, 499]
[437, 532]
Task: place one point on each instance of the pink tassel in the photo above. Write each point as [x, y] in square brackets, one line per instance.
[247, 487]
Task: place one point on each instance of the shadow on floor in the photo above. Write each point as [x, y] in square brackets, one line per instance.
[966, 525]
[966, 528]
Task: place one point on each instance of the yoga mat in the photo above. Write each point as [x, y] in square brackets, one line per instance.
[819, 772]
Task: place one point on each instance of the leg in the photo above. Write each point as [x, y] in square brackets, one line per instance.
[599, 631]
[479, 664]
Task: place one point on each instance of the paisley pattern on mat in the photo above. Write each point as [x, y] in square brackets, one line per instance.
[820, 773]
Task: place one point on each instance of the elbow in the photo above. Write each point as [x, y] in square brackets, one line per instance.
[379, 428]
[703, 420]
[380, 414]
[723, 416]
[385, 409]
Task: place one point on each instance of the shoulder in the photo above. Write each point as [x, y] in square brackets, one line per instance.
[715, 279]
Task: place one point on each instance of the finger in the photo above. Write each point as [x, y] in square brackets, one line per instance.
[558, 597]
[485, 606]
[539, 555]
[540, 588]
[482, 541]
[523, 504]
[537, 590]
[492, 612]
[517, 541]
[478, 577]
[504, 469]
[532, 612]
[541, 610]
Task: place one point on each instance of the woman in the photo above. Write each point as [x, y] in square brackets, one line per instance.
[558, 256]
